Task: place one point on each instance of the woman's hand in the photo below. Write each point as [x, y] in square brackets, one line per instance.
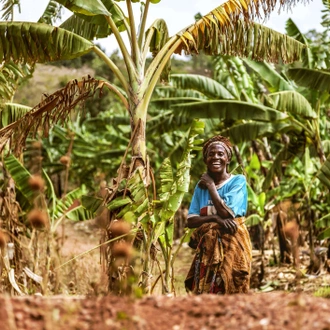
[205, 181]
[229, 225]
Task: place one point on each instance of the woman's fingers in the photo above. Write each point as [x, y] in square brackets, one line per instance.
[231, 226]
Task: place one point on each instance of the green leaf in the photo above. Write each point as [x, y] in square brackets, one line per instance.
[12, 112]
[160, 36]
[51, 13]
[269, 74]
[324, 173]
[293, 31]
[37, 42]
[166, 178]
[253, 130]
[324, 222]
[234, 110]
[324, 235]
[172, 200]
[91, 203]
[91, 27]
[21, 177]
[262, 200]
[118, 202]
[254, 162]
[79, 214]
[314, 79]
[85, 7]
[208, 86]
[253, 220]
[222, 32]
[252, 196]
[294, 103]
[64, 204]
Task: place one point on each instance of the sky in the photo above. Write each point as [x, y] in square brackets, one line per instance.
[178, 15]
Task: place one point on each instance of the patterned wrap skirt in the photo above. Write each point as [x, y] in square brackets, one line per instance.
[222, 262]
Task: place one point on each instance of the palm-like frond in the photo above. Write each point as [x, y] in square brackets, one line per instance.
[205, 85]
[52, 109]
[80, 26]
[294, 103]
[215, 35]
[86, 7]
[95, 26]
[293, 31]
[267, 72]
[51, 13]
[37, 42]
[167, 92]
[8, 9]
[229, 109]
[252, 130]
[11, 75]
[314, 79]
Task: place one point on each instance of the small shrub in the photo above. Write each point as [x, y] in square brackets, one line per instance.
[323, 292]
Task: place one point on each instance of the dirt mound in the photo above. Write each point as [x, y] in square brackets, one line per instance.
[273, 310]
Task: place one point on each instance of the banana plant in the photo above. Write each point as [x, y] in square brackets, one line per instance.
[100, 18]
[228, 30]
[153, 215]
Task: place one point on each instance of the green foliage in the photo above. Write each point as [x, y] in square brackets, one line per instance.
[322, 292]
[53, 43]
[57, 208]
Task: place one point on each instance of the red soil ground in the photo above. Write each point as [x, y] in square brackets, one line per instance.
[272, 310]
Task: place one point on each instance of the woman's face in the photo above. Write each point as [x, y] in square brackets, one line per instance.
[216, 158]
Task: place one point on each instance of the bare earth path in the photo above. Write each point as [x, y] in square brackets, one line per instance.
[264, 311]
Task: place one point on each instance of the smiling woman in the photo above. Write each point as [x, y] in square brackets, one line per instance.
[223, 249]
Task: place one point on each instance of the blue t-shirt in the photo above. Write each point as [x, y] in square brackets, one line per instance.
[233, 191]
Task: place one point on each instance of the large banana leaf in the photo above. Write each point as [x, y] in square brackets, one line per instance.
[171, 91]
[208, 86]
[268, 74]
[167, 103]
[252, 130]
[91, 27]
[217, 33]
[294, 103]
[85, 7]
[173, 187]
[314, 79]
[37, 42]
[229, 110]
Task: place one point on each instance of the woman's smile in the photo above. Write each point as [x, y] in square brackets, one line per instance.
[217, 158]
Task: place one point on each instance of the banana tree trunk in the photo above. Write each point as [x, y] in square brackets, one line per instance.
[138, 113]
